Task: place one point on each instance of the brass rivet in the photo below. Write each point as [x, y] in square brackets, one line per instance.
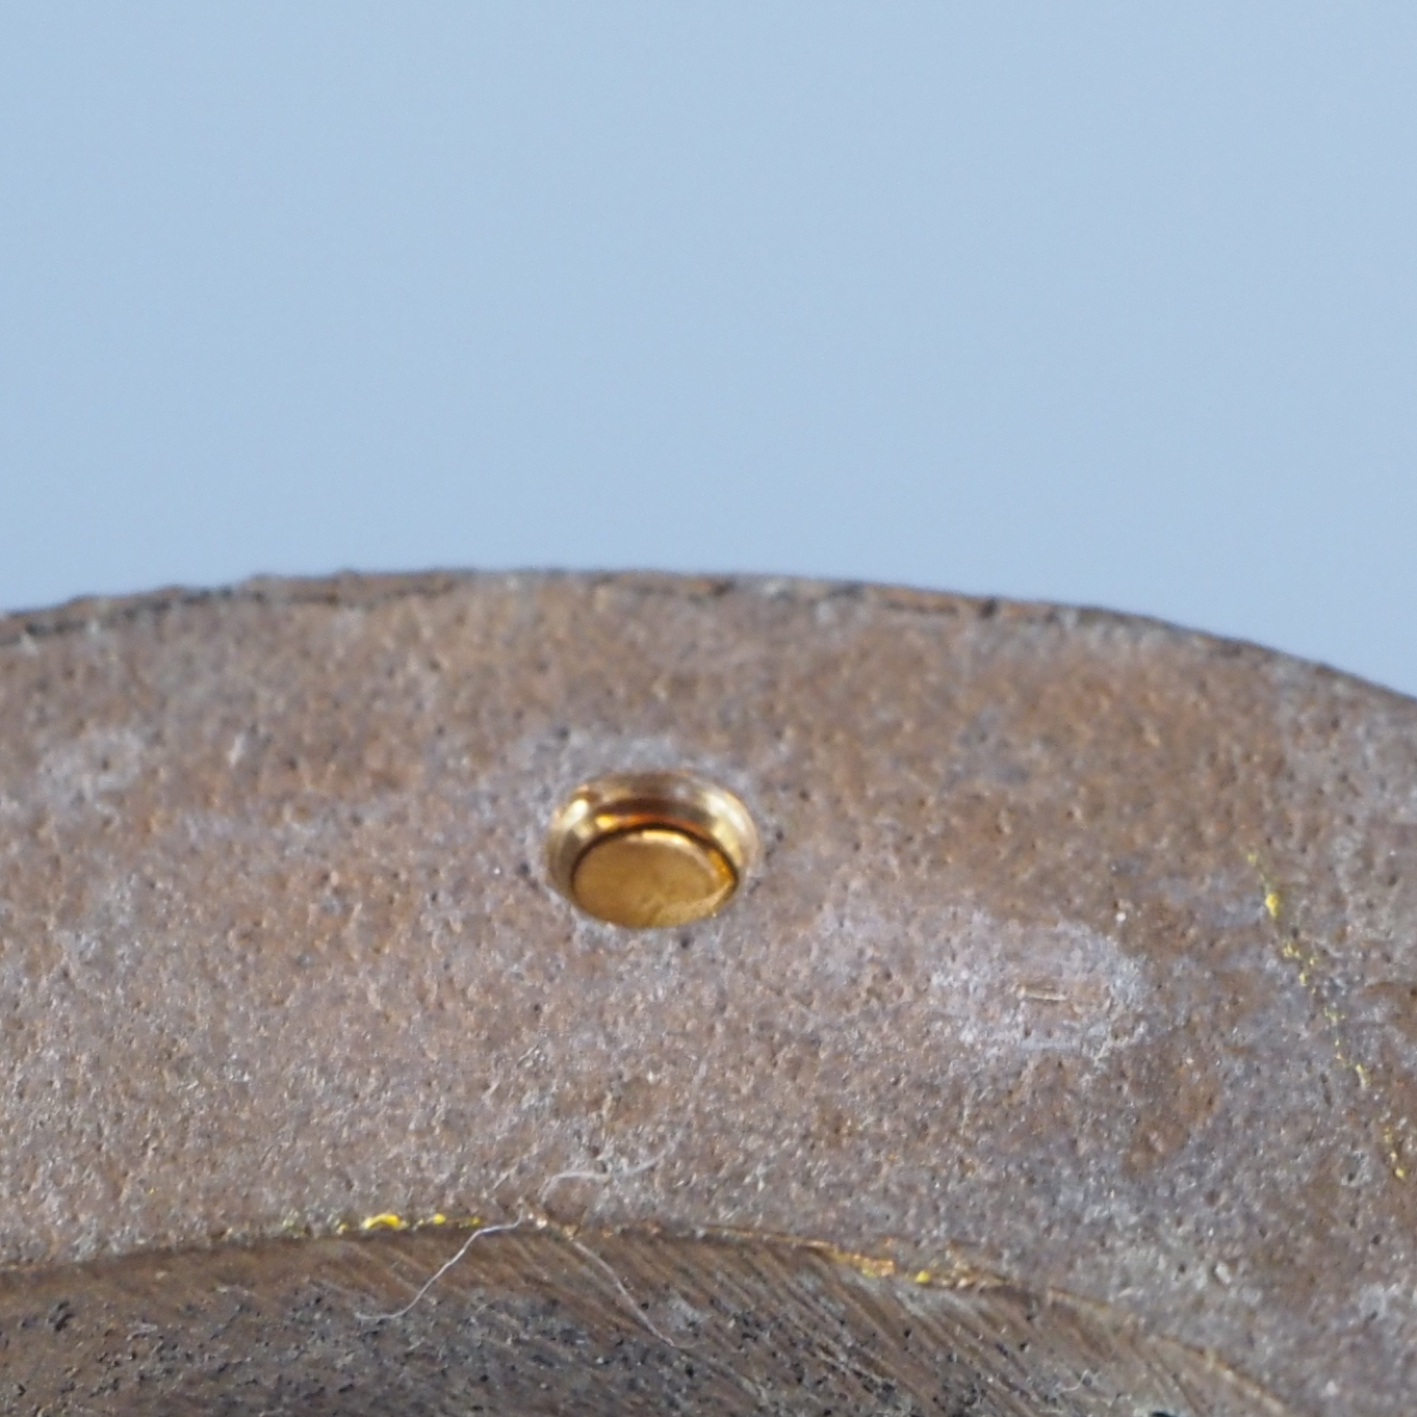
[650, 849]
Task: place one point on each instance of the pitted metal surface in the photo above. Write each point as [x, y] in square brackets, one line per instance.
[1073, 995]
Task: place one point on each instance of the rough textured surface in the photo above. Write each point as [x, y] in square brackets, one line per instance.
[1083, 956]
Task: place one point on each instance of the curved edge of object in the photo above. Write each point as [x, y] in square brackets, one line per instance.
[711, 1324]
[366, 590]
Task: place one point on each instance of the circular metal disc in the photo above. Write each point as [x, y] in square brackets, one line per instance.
[1057, 1054]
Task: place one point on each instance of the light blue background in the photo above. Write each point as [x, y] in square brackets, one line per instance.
[1105, 303]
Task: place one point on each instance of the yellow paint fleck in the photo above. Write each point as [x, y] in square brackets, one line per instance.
[877, 1269]
[869, 1265]
[1394, 1151]
[922, 1276]
[1310, 975]
[388, 1220]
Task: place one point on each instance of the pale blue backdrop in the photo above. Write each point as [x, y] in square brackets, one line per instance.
[1105, 303]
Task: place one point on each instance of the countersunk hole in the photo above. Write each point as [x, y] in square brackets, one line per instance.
[648, 850]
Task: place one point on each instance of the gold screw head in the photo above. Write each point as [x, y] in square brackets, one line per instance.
[649, 850]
